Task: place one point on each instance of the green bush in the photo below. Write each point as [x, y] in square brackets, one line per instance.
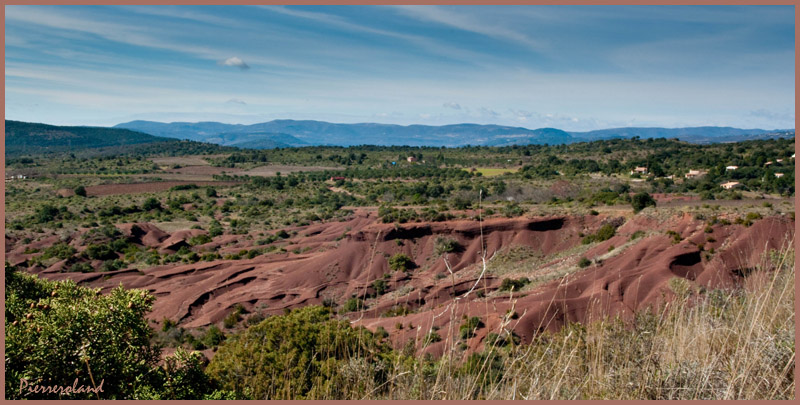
[443, 245]
[516, 285]
[352, 305]
[201, 239]
[80, 191]
[584, 262]
[298, 356]
[401, 262]
[58, 331]
[380, 287]
[468, 328]
[60, 250]
[605, 232]
[641, 201]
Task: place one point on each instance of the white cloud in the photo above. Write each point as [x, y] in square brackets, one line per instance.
[452, 105]
[236, 101]
[235, 62]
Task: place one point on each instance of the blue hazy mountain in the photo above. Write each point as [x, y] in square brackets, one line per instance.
[281, 133]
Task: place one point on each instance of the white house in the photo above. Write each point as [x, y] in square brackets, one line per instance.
[695, 173]
[731, 168]
[778, 175]
[639, 170]
[729, 185]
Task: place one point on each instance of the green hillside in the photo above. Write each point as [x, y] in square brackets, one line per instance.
[31, 138]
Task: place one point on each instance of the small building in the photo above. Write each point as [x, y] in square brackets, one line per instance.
[731, 168]
[779, 160]
[412, 158]
[778, 175]
[639, 170]
[769, 163]
[695, 173]
[792, 155]
[730, 185]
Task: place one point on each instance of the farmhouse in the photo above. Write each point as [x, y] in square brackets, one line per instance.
[730, 185]
[778, 175]
[731, 168]
[695, 173]
[412, 158]
[639, 170]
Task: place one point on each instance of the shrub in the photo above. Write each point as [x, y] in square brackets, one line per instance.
[201, 239]
[468, 328]
[353, 304]
[80, 191]
[397, 310]
[380, 287]
[80, 268]
[151, 204]
[213, 336]
[444, 245]
[584, 262]
[512, 210]
[46, 337]
[100, 252]
[60, 250]
[641, 201]
[637, 235]
[401, 262]
[516, 285]
[233, 318]
[296, 356]
[605, 232]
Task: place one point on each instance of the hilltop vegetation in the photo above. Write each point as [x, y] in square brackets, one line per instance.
[25, 138]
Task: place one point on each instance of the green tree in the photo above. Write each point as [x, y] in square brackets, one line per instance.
[641, 201]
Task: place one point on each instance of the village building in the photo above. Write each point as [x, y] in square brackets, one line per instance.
[639, 170]
[730, 185]
[731, 168]
[778, 175]
[411, 159]
[695, 173]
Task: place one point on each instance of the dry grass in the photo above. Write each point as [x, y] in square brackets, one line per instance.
[715, 344]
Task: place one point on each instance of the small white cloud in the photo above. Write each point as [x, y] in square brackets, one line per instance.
[452, 105]
[425, 116]
[236, 101]
[235, 62]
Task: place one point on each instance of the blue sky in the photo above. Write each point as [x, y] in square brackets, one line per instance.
[570, 67]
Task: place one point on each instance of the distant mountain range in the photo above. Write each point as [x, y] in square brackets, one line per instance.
[286, 133]
[33, 138]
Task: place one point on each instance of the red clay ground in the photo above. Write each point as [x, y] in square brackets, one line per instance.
[138, 188]
[340, 259]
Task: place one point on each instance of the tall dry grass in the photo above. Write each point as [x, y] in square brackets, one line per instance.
[714, 344]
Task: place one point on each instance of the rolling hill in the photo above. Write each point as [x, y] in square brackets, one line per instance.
[326, 133]
[32, 138]
[280, 133]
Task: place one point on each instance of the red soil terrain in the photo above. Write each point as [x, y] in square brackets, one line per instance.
[139, 188]
[338, 260]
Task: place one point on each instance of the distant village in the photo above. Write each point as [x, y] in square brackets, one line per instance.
[697, 173]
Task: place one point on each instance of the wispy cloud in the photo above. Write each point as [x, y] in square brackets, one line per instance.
[452, 105]
[236, 101]
[447, 16]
